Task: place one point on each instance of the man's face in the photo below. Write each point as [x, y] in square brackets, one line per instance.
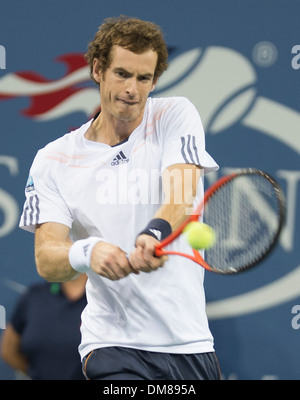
[126, 84]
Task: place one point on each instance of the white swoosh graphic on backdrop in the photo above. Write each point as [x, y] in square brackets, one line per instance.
[273, 294]
[14, 85]
[14, 285]
[85, 101]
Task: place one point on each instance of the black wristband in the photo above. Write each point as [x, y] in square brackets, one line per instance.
[158, 228]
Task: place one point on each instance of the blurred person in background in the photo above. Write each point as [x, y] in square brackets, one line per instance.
[41, 341]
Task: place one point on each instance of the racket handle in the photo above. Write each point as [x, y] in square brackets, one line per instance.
[158, 252]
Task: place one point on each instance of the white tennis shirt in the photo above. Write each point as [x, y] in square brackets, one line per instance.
[113, 192]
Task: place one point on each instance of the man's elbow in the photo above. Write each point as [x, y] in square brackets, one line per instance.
[43, 268]
[43, 272]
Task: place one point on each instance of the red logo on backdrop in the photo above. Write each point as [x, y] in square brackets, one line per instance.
[51, 99]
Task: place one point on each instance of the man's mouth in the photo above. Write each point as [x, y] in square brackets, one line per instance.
[128, 102]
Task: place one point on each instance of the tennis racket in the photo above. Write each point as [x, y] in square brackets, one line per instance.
[246, 209]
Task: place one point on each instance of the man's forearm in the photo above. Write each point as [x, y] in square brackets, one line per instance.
[52, 262]
[175, 214]
[180, 188]
[52, 246]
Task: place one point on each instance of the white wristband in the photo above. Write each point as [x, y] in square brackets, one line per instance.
[81, 251]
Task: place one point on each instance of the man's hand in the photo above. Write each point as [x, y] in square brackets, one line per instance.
[110, 261]
[142, 258]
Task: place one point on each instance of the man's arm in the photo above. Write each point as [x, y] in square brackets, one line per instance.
[180, 187]
[52, 247]
[11, 350]
[180, 183]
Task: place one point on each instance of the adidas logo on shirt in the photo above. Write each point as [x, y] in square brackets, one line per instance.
[120, 159]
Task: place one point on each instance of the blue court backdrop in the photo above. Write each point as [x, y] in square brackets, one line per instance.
[238, 61]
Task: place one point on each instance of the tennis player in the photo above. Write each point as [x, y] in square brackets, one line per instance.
[99, 200]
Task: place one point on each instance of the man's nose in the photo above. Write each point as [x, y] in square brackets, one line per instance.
[131, 86]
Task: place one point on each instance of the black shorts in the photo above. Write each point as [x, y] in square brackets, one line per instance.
[120, 363]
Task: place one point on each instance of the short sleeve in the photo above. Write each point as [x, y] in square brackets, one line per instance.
[184, 138]
[43, 201]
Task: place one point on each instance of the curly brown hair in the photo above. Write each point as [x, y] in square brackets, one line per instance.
[133, 34]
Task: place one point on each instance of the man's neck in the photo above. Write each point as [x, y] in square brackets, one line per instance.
[110, 130]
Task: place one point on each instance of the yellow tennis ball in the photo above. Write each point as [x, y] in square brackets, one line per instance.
[199, 235]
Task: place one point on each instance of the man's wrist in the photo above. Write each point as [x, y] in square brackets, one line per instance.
[81, 251]
[158, 228]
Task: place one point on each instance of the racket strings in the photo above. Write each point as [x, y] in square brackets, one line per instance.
[244, 215]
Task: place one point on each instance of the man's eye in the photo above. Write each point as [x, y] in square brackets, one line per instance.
[121, 74]
[145, 78]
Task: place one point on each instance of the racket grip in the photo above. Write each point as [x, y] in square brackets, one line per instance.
[158, 252]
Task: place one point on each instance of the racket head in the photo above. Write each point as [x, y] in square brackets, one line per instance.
[247, 211]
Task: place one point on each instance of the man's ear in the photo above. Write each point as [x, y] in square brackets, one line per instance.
[154, 84]
[97, 72]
